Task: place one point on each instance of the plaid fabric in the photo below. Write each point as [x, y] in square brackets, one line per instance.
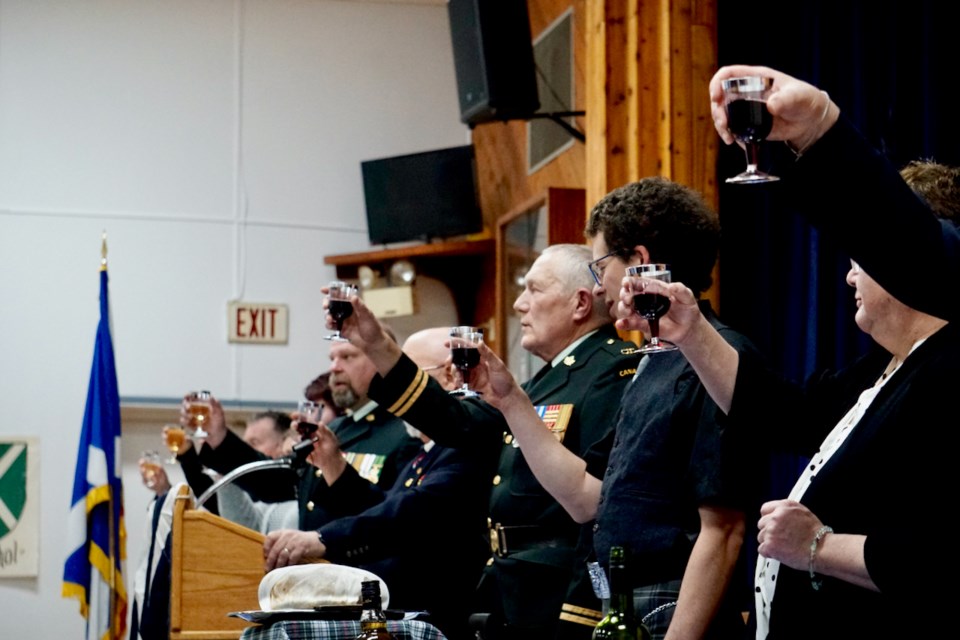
[338, 630]
[651, 604]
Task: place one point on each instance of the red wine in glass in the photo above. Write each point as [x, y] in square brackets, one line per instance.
[339, 306]
[652, 306]
[465, 355]
[749, 121]
[340, 310]
[465, 358]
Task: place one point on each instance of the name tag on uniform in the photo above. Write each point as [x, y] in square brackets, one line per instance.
[555, 417]
[368, 465]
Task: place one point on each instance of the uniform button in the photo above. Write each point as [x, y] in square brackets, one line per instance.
[490, 562]
[496, 479]
[507, 438]
[596, 527]
[318, 473]
[370, 417]
[310, 506]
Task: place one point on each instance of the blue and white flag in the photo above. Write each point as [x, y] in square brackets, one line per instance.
[93, 572]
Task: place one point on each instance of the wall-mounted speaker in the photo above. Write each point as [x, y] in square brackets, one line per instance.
[493, 56]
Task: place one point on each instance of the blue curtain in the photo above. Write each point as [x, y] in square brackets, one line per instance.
[891, 66]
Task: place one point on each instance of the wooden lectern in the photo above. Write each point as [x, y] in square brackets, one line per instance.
[216, 568]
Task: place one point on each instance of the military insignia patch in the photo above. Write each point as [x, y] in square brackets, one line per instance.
[555, 417]
[368, 465]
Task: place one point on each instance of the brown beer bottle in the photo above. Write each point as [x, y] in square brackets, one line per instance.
[373, 623]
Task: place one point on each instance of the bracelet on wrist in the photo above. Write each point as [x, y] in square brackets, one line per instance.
[799, 151]
[815, 581]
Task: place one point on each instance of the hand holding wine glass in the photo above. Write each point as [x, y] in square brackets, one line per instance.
[652, 305]
[152, 473]
[199, 410]
[339, 306]
[749, 121]
[464, 342]
[801, 112]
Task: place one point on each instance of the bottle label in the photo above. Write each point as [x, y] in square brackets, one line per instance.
[598, 579]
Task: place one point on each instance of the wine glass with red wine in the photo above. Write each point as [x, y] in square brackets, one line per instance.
[464, 343]
[749, 121]
[339, 306]
[652, 306]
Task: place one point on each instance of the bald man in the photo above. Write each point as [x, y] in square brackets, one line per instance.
[437, 503]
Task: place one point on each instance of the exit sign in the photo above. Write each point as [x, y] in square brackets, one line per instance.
[257, 323]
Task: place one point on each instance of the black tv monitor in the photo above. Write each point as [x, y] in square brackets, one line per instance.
[422, 196]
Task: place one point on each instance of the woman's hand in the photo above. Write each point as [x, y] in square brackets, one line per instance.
[786, 530]
[801, 112]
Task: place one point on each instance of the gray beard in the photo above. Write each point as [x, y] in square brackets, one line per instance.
[345, 398]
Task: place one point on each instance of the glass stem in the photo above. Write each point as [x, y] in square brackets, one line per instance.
[752, 149]
[654, 330]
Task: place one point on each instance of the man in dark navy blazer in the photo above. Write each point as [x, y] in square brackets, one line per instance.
[437, 503]
[535, 546]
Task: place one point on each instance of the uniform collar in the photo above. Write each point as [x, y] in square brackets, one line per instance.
[570, 347]
[361, 413]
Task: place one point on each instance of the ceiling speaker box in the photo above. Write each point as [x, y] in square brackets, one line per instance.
[493, 56]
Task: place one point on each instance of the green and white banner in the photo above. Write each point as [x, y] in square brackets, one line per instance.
[19, 507]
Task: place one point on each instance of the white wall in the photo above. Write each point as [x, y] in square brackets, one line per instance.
[218, 144]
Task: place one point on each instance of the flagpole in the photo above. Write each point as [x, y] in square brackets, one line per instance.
[103, 251]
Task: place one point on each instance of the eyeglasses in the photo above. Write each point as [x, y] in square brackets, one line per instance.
[596, 269]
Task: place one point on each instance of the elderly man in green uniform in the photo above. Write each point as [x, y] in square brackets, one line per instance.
[534, 542]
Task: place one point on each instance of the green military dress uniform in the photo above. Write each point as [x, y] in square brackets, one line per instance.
[376, 444]
[533, 540]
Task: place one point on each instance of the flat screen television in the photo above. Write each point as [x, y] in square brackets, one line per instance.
[422, 196]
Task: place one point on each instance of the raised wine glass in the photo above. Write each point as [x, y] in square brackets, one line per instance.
[339, 306]
[175, 439]
[749, 121]
[308, 418]
[651, 306]
[198, 407]
[150, 467]
[464, 343]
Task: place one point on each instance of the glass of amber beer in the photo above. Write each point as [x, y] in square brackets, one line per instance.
[198, 407]
[150, 466]
[175, 437]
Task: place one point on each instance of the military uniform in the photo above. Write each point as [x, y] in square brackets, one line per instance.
[437, 503]
[376, 444]
[533, 539]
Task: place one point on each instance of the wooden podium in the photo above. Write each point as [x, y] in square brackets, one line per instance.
[216, 568]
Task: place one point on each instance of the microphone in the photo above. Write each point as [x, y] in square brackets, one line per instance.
[298, 457]
[295, 460]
